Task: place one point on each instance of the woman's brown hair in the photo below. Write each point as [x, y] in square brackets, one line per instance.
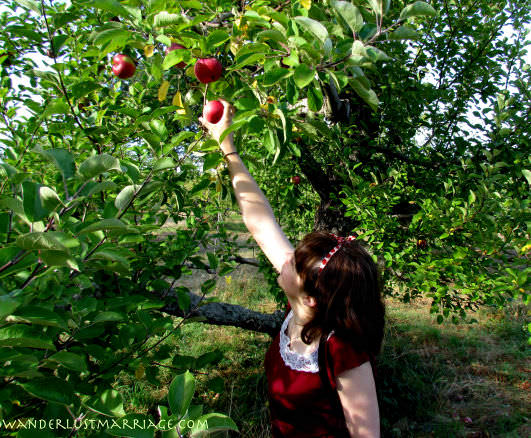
[347, 291]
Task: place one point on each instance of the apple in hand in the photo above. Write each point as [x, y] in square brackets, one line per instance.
[123, 66]
[296, 179]
[175, 46]
[207, 70]
[213, 111]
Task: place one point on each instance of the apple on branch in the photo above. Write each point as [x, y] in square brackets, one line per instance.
[296, 179]
[123, 66]
[207, 70]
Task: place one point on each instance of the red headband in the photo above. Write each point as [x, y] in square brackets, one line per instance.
[341, 240]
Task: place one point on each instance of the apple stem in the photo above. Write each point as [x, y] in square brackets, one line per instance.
[204, 94]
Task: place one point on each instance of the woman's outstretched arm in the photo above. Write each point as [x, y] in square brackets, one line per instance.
[256, 211]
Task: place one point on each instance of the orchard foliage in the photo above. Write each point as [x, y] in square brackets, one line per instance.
[427, 141]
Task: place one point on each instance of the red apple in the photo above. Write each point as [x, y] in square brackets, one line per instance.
[207, 70]
[175, 46]
[296, 179]
[213, 111]
[123, 66]
[421, 243]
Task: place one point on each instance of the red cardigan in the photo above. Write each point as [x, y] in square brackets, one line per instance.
[299, 404]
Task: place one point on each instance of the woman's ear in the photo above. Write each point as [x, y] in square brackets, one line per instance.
[309, 301]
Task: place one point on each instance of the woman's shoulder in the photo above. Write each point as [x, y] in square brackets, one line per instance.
[343, 354]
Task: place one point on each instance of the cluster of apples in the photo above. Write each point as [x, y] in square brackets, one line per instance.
[206, 70]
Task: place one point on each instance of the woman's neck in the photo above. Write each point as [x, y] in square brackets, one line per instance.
[302, 314]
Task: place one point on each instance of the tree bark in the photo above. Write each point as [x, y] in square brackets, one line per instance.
[228, 314]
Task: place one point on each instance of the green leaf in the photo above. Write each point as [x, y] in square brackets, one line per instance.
[367, 94]
[58, 258]
[110, 255]
[108, 403]
[315, 98]
[49, 199]
[108, 316]
[211, 423]
[234, 127]
[368, 31]
[417, 9]
[275, 75]
[30, 4]
[58, 106]
[40, 316]
[183, 361]
[209, 358]
[69, 360]
[112, 6]
[314, 27]
[163, 19]
[250, 58]
[471, 197]
[22, 335]
[212, 260]
[358, 54]
[33, 206]
[208, 286]
[527, 174]
[163, 164]
[40, 241]
[62, 159]
[216, 38]
[183, 299]
[51, 389]
[271, 141]
[403, 33]
[175, 57]
[112, 39]
[83, 88]
[211, 161]
[201, 185]
[105, 224]
[181, 391]
[125, 196]
[272, 34]
[7, 305]
[58, 41]
[98, 164]
[303, 76]
[179, 139]
[101, 187]
[282, 117]
[350, 13]
[376, 54]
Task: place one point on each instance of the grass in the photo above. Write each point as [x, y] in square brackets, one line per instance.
[434, 380]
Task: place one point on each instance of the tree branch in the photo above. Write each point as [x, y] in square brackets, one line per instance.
[228, 314]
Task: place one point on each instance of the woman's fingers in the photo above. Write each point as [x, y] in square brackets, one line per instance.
[204, 122]
[228, 108]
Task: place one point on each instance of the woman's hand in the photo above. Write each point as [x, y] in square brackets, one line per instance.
[216, 129]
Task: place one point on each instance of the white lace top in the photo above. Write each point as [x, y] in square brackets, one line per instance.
[297, 361]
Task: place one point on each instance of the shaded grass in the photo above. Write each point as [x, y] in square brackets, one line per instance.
[434, 380]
